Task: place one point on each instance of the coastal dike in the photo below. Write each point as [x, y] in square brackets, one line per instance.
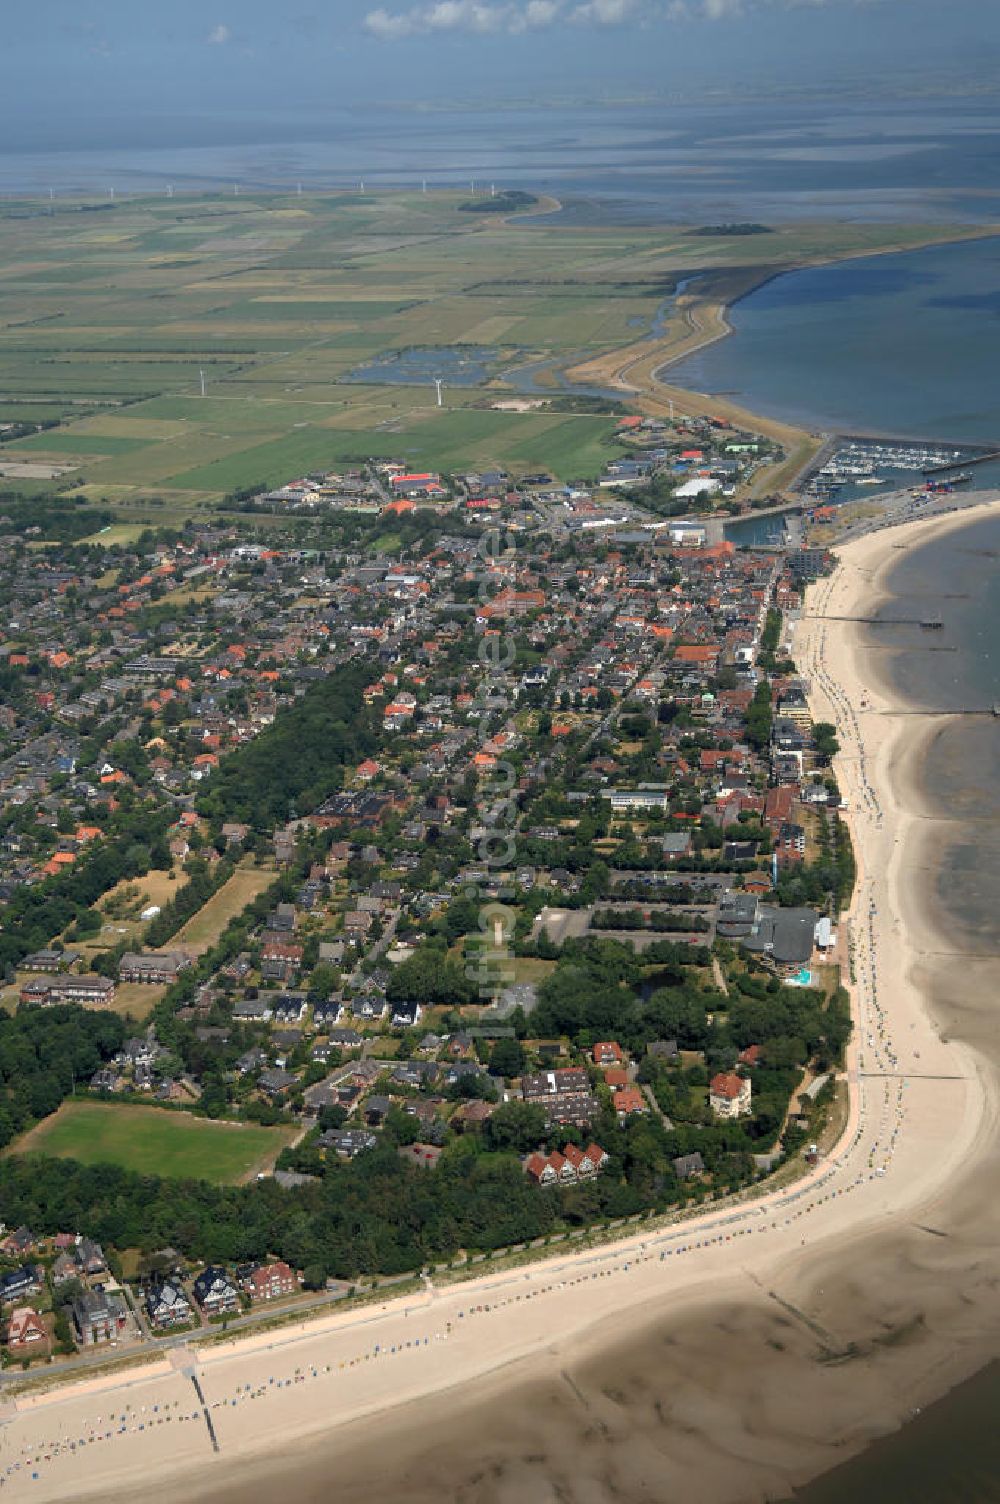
[699, 318]
[727, 1358]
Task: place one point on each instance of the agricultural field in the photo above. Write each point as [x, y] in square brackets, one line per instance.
[155, 1141]
[111, 314]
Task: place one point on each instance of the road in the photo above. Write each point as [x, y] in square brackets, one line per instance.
[97, 1357]
[381, 945]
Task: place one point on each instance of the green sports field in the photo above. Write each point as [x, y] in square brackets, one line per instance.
[154, 1141]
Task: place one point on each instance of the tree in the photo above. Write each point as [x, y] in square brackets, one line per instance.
[678, 1015]
[63, 1333]
[429, 976]
[516, 1127]
[758, 717]
[213, 1099]
[460, 918]
[299, 760]
[507, 1058]
[324, 981]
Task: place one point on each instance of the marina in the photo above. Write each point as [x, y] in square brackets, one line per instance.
[847, 465]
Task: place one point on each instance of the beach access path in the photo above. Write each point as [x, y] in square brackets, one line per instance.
[918, 1106]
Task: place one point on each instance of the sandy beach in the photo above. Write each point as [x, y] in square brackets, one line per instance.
[723, 1359]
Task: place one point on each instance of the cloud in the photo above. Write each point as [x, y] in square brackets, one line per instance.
[477, 16]
[604, 12]
[219, 36]
[517, 17]
[492, 17]
[542, 12]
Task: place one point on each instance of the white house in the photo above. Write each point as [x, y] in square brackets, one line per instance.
[729, 1095]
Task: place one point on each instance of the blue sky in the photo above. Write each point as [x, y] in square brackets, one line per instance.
[68, 65]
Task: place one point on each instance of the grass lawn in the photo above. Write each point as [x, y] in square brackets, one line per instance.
[136, 999]
[827, 978]
[116, 532]
[154, 1141]
[383, 1048]
[157, 887]
[532, 969]
[204, 928]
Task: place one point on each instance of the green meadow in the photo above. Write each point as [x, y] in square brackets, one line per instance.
[154, 1141]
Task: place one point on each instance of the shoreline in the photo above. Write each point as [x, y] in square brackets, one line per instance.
[912, 1134]
[718, 312]
[638, 371]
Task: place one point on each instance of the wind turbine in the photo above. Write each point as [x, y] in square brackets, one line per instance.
[201, 374]
[170, 190]
[439, 387]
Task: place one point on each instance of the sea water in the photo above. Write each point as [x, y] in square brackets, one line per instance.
[897, 344]
[950, 1452]
[933, 161]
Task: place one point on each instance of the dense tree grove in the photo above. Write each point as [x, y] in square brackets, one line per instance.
[44, 1053]
[377, 1215]
[770, 637]
[136, 841]
[298, 762]
[57, 517]
[758, 717]
[430, 976]
[592, 994]
[645, 919]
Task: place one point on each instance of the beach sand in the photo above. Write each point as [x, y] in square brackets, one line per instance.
[727, 1359]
